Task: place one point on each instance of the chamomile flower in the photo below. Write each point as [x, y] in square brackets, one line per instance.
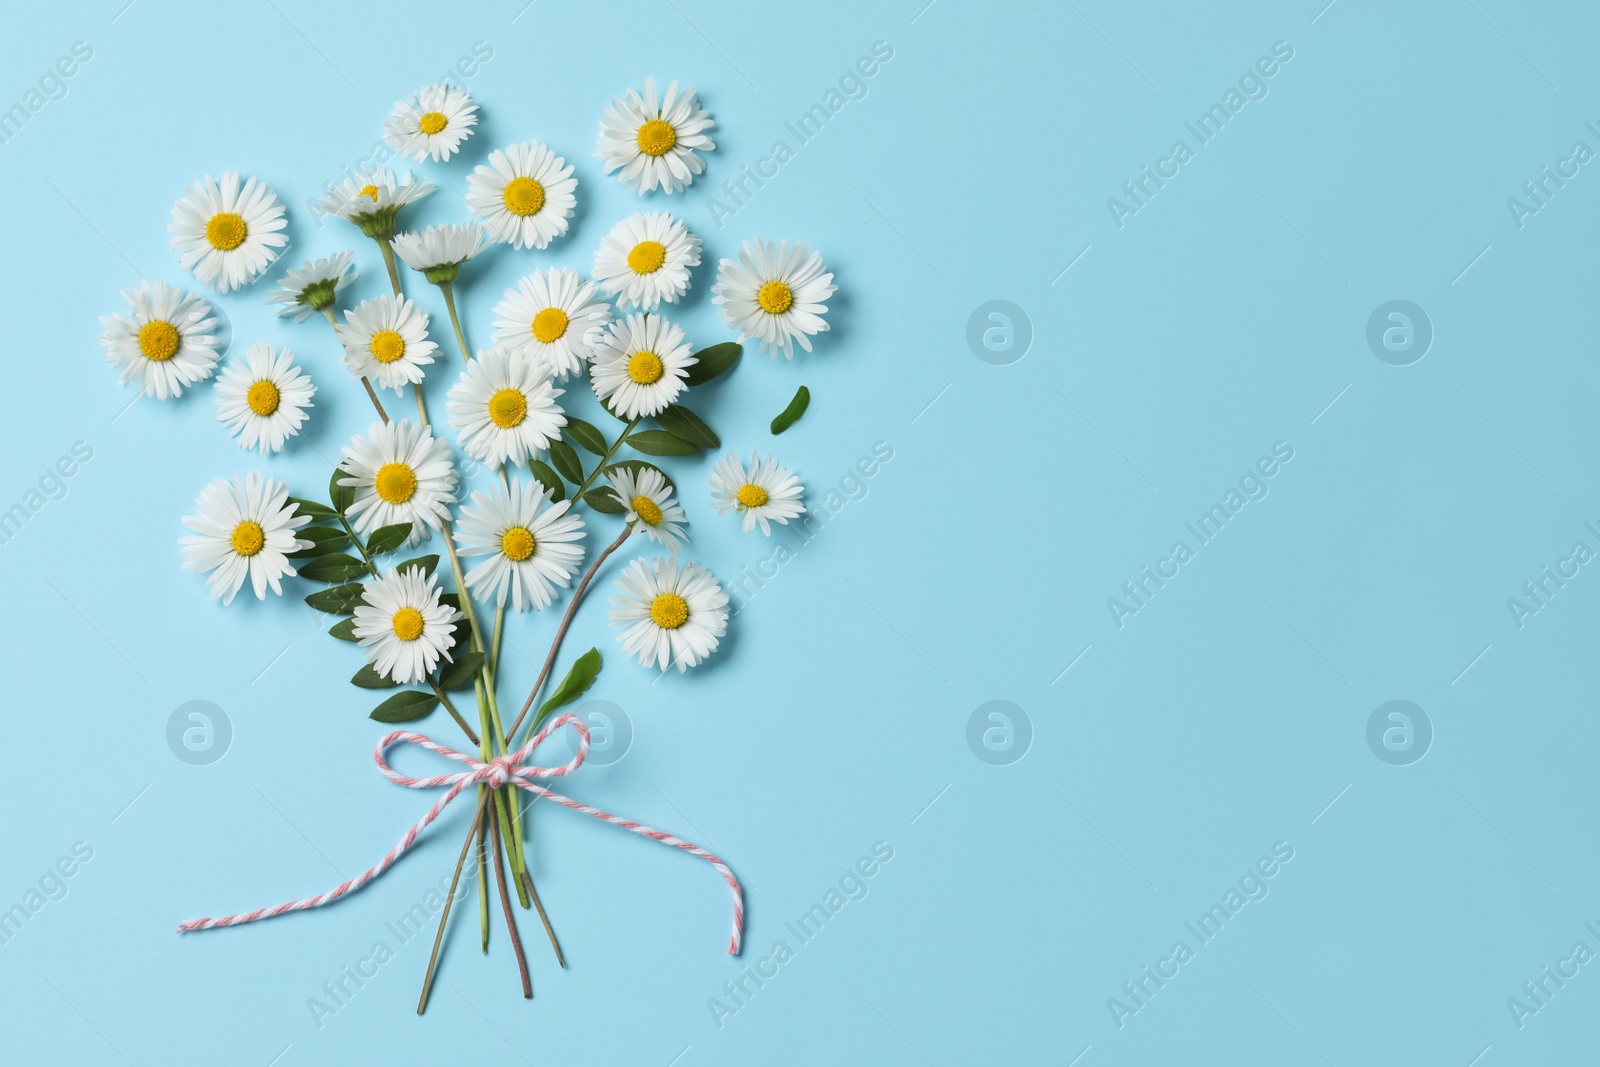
[166, 343]
[648, 501]
[227, 235]
[313, 285]
[403, 627]
[534, 544]
[401, 473]
[655, 142]
[645, 259]
[638, 365]
[775, 293]
[503, 408]
[246, 529]
[547, 316]
[386, 339]
[671, 613]
[262, 400]
[372, 200]
[524, 193]
[432, 123]
[763, 492]
[438, 251]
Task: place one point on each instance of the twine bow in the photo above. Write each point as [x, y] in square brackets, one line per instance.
[507, 769]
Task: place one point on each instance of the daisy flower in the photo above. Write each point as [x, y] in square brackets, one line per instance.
[226, 235]
[524, 193]
[438, 251]
[774, 294]
[638, 365]
[655, 143]
[165, 343]
[503, 408]
[547, 317]
[401, 473]
[403, 627]
[372, 200]
[533, 543]
[386, 338]
[432, 123]
[761, 492]
[313, 285]
[645, 259]
[246, 528]
[647, 497]
[670, 613]
[263, 401]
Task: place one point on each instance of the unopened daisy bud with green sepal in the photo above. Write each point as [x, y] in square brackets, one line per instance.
[372, 200]
[313, 286]
[438, 251]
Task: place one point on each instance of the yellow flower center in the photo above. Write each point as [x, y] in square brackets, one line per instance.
[523, 196]
[158, 340]
[263, 398]
[226, 231]
[644, 367]
[775, 298]
[395, 482]
[248, 538]
[549, 325]
[751, 496]
[407, 624]
[387, 346]
[432, 123]
[646, 509]
[370, 192]
[647, 257]
[656, 138]
[507, 408]
[669, 611]
[517, 544]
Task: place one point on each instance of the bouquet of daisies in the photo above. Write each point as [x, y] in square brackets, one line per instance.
[431, 623]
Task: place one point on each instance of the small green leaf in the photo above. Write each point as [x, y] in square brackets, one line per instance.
[324, 539]
[427, 563]
[713, 361]
[388, 538]
[340, 600]
[318, 512]
[604, 501]
[565, 459]
[792, 413]
[409, 706]
[460, 673]
[369, 678]
[637, 465]
[548, 478]
[341, 495]
[586, 435]
[335, 568]
[579, 678]
[681, 422]
[662, 443]
[451, 600]
[344, 630]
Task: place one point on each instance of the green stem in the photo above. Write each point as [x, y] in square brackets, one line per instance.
[372, 394]
[448, 288]
[577, 494]
[483, 884]
[444, 917]
[388, 261]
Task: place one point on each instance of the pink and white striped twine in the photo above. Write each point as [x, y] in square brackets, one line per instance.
[502, 770]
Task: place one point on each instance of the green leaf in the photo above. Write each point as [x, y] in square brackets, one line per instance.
[565, 459]
[341, 495]
[340, 600]
[604, 501]
[792, 413]
[451, 600]
[345, 630]
[713, 361]
[388, 538]
[409, 706]
[637, 465]
[460, 673]
[586, 436]
[548, 478]
[324, 539]
[318, 512]
[662, 443]
[335, 568]
[679, 421]
[427, 563]
[369, 678]
[580, 676]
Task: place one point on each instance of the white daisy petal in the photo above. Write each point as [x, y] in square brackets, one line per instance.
[639, 364]
[533, 545]
[763, 492]
[503, 408]
[774, 294]
[402, 626]
[655, 145]
[166, 343]
[262, 399]
[669, 613]
[548, 315]
[246, 528]
[646, 496]
[438, 251]
[646, 259]
[524, 194]
[227, 235]
[386, 339]
[372, 200]
[401, 473]
[432, 123]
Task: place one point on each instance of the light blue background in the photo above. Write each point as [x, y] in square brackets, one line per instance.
[1226, 716]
